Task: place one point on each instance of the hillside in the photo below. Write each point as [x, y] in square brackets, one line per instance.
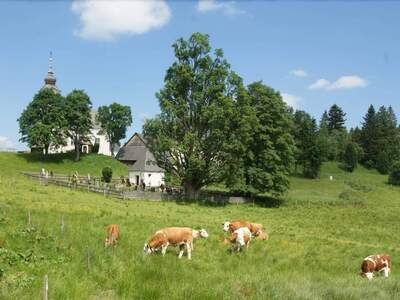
[318, 237]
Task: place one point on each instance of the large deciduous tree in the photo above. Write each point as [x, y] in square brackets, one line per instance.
[42, 123]
[114, 121]
[189, 136]
[267, 144]
[78, 116]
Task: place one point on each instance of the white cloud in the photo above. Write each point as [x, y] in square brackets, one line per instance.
[291, 100]
[227, 8]
[298, 73]
[344, 82]
[107, 19]
[5, 142]
[348, 82]
[319, 84]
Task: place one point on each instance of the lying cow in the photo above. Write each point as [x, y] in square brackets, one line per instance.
[112, 235]
[376, 263]
[181, 236]
[255, 228]
[239, 238]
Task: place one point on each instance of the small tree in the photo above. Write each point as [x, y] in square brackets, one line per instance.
[107, 174]
[78, 116]
[114, 121]
[383, 162]
[394, 176]
[350, 157]
[336, 118]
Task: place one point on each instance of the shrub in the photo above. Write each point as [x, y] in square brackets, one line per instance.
[394, 176]
[383, 163]
[107, 174]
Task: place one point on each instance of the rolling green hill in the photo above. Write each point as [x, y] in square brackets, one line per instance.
[318, 237]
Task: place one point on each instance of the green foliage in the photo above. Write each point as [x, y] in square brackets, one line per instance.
[78, 117]
[42, 122]
[114, 121]
[188, 137]
[264, 151]
[336, 118]
[95, 148]
[350, 157]
[107, 174]
[308, 152]
[394, 176]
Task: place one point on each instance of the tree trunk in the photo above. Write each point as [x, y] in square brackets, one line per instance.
[112, 149]
[77, 149]
[191, 191]
[46, 150]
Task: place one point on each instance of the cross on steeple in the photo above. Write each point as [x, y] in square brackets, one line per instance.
[50, 79]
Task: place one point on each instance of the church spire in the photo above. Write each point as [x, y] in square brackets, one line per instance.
[50, 79]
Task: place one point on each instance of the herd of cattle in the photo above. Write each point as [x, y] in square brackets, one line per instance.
[241, 233]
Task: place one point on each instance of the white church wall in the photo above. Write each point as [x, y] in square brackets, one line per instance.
[151, 179]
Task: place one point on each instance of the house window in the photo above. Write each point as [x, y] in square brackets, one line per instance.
[72, 142]
[97, 140]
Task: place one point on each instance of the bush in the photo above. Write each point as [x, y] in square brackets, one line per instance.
[107, 174]
[394, 176]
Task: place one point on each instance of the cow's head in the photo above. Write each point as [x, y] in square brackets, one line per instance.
[203, 233]
[147, 249]
[226, 226]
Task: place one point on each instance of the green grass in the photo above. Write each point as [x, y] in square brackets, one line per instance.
[317, 241]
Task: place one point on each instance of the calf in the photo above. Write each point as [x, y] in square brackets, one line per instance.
[254, 228]
[112, 235]
[376, 263]
[239, 238]
[181, 236]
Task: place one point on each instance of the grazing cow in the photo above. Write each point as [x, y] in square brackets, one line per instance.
[112, 235]
[181, 236]
[255, 228]
[376, 263]
[239, 238]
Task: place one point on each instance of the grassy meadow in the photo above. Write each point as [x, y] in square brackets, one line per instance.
[318, 237]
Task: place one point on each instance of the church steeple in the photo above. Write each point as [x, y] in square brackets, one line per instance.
[50, 79]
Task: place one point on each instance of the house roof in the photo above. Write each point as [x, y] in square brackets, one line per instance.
[137, 156]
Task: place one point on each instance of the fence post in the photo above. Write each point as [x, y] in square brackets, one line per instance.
[29, 219]
[62, 225]
[45, 287]
[88, 259]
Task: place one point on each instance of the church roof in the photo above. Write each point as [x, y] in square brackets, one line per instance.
[50, 79]
[137, 156]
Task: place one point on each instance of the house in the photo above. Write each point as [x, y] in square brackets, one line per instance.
[95, 138]
[141, 163]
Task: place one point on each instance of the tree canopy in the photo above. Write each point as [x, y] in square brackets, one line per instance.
[42, 122]
[114, 121]
[78, 118]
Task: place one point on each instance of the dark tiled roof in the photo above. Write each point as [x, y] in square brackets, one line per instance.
[136, 155]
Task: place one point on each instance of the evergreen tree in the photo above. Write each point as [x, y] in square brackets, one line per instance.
[336, 118]
[368, 138]
[308, 153]
[350, 157]
[323, 137]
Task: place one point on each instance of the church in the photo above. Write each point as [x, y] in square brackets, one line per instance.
[96, 140]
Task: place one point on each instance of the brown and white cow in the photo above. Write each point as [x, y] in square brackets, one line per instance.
[239, 238]
[113, 235]
[255, 228]
[376, 263]
[181, 236]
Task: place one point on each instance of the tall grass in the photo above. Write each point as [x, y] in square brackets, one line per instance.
[316, 245]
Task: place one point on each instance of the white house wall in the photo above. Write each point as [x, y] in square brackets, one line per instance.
[151, 179]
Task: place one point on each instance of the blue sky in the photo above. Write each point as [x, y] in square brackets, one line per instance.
[315, 53]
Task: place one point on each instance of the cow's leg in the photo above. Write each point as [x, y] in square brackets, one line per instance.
[247, 245]
[164, 248]
[189, 250]
[181, 249]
